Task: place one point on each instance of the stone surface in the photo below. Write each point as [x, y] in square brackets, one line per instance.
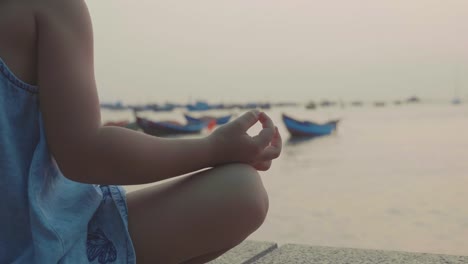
[245, 253]
[291, 253]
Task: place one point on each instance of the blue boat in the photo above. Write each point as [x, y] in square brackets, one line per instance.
[161, 108]
[168, 128]
[113, 106]
[206, 119]
[199, 106]
[308, 129]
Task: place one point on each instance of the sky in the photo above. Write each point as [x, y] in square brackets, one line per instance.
[290, 50]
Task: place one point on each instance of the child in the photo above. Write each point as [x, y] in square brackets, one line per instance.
[59, 168]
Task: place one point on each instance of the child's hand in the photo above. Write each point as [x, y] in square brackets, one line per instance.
[232, 143]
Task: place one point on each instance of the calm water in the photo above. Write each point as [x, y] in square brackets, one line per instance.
[392, 178]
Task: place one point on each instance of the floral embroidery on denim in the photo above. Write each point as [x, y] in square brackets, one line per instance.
[98, 246]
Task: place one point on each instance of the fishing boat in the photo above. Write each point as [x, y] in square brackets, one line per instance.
[219, 120]
[299, 128]
[311, 105]
[120, 123]
[199, 106]
[114, 106]
[379, 104]
[161, 108]
[169, 128]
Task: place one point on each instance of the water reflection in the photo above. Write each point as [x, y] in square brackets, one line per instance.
[292, 141]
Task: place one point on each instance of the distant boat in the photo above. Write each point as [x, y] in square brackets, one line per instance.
[327, 103]
[138, 108]
[413, 99]
[168, 128]
[311, 105]
[379, 104]
[308, 129]
[250, 106]
[113, 106]
[264, 105]
[122, 123]
[161, 108]
[199, 106]
[219, 120]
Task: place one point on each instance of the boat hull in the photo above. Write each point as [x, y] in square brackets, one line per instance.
[164, 128]
[308, 129]
[219, 120]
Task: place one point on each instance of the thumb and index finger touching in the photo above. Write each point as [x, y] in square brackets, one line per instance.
[268, 131]
[247, 120]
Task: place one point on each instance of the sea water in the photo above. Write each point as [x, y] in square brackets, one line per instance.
[393, 178]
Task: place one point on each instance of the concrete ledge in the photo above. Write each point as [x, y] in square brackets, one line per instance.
[245, 253]
[291, 253]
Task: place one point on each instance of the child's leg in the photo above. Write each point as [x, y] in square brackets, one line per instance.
[196, 218]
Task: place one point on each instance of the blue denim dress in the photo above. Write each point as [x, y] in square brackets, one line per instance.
[46, 218]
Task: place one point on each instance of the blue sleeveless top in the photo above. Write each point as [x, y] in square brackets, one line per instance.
[46, 218]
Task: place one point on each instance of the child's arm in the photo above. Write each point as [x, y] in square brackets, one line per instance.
[87, 152]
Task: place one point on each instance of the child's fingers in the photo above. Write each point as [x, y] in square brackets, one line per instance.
[265, 120]
[263, 139]
[277, 140]
[268, 132]
[247, 120]
[272, 151]
[263, 166]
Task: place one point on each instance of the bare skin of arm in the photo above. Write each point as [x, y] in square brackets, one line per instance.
[87, 152]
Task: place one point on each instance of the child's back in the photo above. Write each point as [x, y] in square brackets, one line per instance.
[45, 215]
[16, 149]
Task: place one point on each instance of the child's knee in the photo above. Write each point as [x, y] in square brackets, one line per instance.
[246, 190]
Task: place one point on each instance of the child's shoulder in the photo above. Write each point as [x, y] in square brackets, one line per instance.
[25, 9]
[21, 23]
[29, 7]
[18, 36]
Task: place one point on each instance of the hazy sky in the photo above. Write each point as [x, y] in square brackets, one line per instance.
[243, 50]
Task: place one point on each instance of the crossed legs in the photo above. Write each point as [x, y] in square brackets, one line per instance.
[196, 218]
